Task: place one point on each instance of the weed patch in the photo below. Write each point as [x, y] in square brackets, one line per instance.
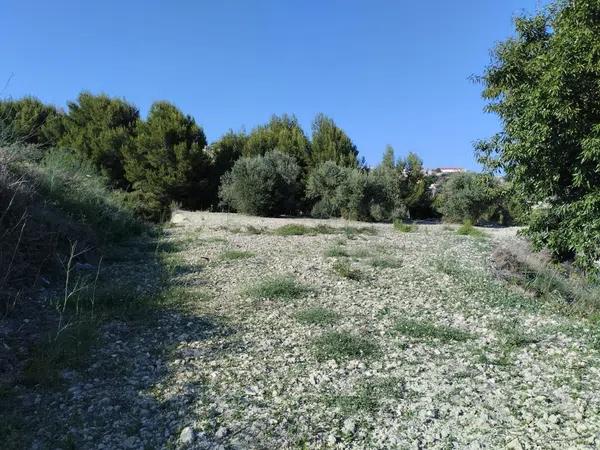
[250, 229]
[343, 345]
[382, 262]
[337, 251]
[473, 282]
[352, 232]
[317, 316]
[467, 229]
[513, 337]
[344, 269]
[369, 396]
[427, 330]
[277, 288]
[404, 227]
[231, 255]
[69, 349]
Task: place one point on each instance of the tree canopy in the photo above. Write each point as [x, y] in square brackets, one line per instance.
[543, 83]
[99, 128]
[168, 159]
[30, 121]
[331, 143]
[282, 134]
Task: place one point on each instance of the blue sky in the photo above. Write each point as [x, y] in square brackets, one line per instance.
[388, 72]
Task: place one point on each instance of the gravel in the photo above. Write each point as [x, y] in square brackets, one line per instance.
[232, 371]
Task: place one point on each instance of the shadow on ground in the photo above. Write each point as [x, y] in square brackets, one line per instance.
[127, 393]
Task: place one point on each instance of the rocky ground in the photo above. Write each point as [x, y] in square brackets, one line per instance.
[366, 337]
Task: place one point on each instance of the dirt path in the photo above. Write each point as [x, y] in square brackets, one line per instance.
[382, 340]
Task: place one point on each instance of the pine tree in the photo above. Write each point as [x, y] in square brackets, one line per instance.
[30, 121]
[99, 128]
[167, 161]
[330, 143]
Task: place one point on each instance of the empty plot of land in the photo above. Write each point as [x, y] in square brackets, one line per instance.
[307, 333]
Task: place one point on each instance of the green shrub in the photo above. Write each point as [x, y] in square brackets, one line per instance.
[404, 186]
[393, 190]
[351, 193]
[262, 185]
[469, 196]
[323, 188]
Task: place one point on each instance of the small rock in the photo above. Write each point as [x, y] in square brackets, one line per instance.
[514, 445]
[349, 426]
[331, 440]
[221, 432]
[186, 436]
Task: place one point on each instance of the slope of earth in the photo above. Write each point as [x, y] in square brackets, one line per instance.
[331, 334]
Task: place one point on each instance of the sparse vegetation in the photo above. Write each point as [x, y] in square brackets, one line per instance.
[281, 287]
[340, 345]
[404, 227]
[236, 254]
[547, 282]
[352, 232]
[337, 251]
[254, 230]
[345, 270]
[118, 330]
[467, 229]
[426, 330]
[369, 396]
[386, 262]
[297, 230]
[317, 316]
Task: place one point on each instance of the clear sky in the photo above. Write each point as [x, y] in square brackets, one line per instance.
[388, 72]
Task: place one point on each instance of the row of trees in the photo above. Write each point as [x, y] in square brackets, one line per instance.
[275, 183]
[165, 158]
[396, 189]
[275, 169]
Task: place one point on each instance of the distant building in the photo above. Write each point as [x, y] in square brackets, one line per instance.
[449, 170]
[441, 171]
